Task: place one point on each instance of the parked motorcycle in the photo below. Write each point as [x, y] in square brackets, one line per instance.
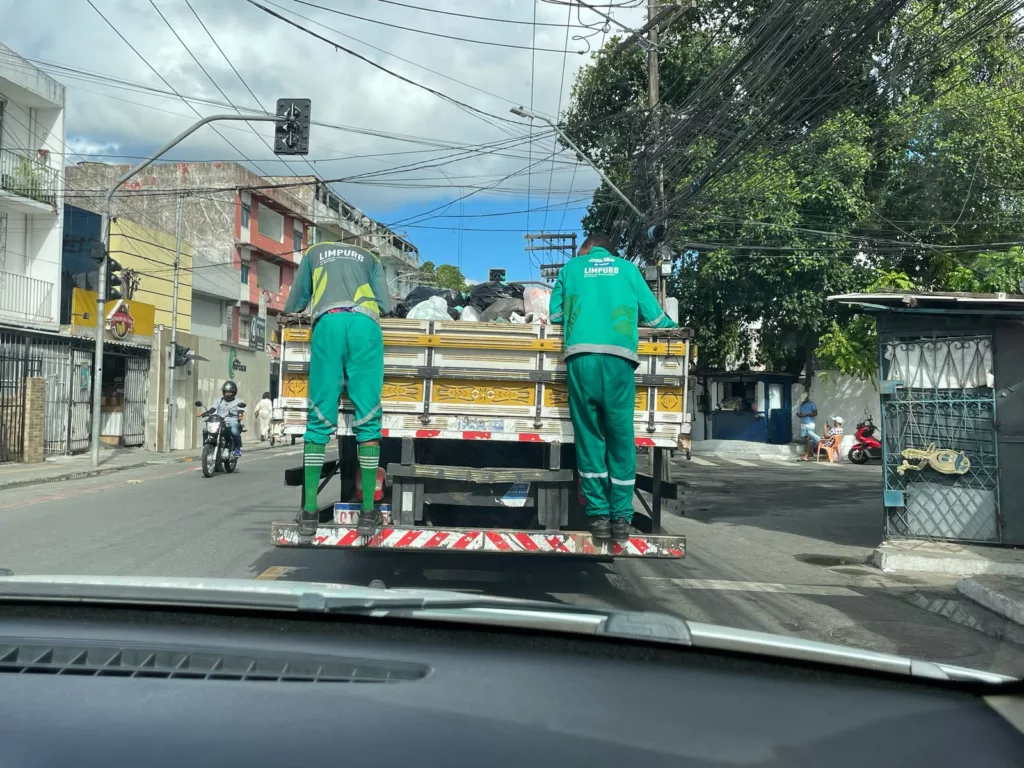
[218, 447]
[867, 447]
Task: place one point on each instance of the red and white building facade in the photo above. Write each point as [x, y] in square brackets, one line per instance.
[269, 240]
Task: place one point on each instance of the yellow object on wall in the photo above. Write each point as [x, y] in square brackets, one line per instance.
[128, 321]
[150, 253]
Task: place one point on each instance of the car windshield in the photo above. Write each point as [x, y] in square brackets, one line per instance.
[704, 309]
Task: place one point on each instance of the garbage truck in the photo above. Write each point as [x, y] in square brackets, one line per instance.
[478, 445]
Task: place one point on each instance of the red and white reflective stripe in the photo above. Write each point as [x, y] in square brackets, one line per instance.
[500, 541]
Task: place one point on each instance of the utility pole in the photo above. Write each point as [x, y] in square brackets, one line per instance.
[654, 104]
[172, 347]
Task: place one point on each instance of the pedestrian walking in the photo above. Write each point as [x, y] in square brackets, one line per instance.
[264, 410]
[346, 292]
[600, 299]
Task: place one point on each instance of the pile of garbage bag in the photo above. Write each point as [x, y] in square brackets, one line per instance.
[485, 302]
[451, 303]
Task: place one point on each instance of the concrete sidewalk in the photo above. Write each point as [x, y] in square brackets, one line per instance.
[743, 449]
[948, 557]
[60, 468]
[1000, 594]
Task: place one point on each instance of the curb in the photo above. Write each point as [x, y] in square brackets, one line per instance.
[992, 598]
[84, 473]
[954, 566]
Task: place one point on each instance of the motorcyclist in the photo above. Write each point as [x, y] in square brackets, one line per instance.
[227, 407]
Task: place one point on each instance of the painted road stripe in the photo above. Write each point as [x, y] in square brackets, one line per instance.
[758, 586]
[276, 572]
[702, 462]
[741, 462]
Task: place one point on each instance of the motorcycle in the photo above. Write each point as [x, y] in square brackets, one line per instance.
[867, 447]
[218, 447]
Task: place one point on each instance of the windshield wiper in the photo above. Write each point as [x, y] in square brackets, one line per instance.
[319, 603]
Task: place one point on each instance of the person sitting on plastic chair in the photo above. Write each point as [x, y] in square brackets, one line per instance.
[832, 440]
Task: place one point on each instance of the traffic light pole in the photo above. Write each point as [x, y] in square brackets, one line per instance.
[101, 289]
[172, 348]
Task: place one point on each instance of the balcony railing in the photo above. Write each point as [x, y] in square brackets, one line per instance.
[26, 177]
[26, 298]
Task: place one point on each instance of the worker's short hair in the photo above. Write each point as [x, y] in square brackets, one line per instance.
[598, 240]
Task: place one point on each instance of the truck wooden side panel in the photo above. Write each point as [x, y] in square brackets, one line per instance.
[494, 381]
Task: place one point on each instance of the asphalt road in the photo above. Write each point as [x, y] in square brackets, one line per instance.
[772, 546]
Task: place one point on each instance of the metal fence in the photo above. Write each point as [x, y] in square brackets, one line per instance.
[29, 177]
[24, 356]
[941, 461]
[26, 298]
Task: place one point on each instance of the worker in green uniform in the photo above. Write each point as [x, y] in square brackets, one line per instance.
[345, 288]
[600, 299]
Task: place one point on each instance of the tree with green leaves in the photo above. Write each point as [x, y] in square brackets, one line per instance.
[451, 277]
[444, 276]
[905, 174]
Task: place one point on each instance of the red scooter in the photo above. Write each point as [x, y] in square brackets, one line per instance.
[867, 448]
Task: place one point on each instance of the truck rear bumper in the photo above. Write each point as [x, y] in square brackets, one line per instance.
[550, 543]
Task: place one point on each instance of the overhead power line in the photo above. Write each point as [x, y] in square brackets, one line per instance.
[456, 38]
[381, 67]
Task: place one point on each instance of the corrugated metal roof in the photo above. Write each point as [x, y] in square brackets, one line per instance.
[975, 302]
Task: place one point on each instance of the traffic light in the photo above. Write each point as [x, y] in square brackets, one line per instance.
[181, 355]
[291, 129]
[114, 281]
[496, 276]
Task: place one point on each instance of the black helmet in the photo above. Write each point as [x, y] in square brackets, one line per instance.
[229, 388]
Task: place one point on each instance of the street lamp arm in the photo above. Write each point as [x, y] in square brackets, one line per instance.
[529, 115]
[173, 143]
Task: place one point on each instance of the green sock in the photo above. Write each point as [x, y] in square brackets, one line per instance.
[312, 462]
[369, 459]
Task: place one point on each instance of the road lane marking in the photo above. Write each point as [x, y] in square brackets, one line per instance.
[758, 586]
[741, 462]
[702, 462]
[276, 572]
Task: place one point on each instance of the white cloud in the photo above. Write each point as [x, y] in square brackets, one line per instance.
[278, 60]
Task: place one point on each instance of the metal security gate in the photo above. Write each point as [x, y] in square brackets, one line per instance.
[136, 383]
[55, 367]
[24, 356]
[941, 462]
[14, 349]
[80, 401]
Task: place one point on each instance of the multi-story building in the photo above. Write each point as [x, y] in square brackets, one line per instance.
[31, 193]
[336, 219]
[248, 237]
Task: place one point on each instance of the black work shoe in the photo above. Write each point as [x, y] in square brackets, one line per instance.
[308, 522]
[620, 530]
[600, 526]
[369, 522]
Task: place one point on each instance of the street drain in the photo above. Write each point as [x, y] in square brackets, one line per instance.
[831, 561]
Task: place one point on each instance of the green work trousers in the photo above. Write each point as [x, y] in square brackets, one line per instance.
[602, 397]
[347, 352]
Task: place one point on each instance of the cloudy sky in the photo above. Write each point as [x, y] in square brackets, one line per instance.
[409, 154]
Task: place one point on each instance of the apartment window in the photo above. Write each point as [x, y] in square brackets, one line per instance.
[243, 330]
[271, 223]
[245, 273]
[297, 240]
[246, 213]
